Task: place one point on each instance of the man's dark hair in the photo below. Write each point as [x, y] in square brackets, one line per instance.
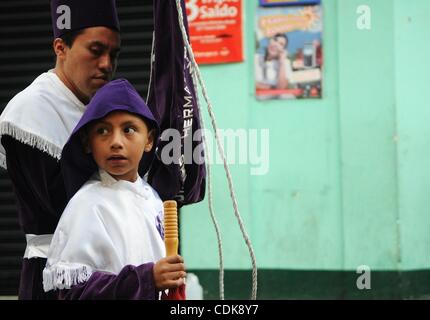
[70, 37]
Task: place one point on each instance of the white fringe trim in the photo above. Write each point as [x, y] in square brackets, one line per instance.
[3, 161]
[64, 276]
[33, 140]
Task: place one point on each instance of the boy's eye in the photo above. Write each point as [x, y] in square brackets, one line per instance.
[101, 131]
[129, 130]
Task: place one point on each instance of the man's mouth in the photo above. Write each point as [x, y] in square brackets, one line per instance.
[104, 78]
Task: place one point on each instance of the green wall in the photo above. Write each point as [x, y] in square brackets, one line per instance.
[412, 117]
[349, 174]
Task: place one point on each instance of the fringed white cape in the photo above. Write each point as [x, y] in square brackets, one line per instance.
[107, 225]
[43, 116]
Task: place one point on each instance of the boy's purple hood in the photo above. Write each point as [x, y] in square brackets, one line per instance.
[78, 166]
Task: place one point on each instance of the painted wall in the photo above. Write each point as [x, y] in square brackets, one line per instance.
[349, 174]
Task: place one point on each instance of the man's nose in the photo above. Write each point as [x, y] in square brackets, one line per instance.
[106, 63]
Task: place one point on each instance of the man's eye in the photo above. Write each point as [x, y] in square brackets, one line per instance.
[96, 52]
[129, 130]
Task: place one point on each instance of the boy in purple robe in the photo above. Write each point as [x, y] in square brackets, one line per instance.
[109, 240]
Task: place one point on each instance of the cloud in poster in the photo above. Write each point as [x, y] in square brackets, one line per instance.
[286, 19]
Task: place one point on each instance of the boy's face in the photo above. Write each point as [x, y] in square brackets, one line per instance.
[118, 142]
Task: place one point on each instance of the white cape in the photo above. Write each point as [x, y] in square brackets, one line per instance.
[107, 225]
[43, 116]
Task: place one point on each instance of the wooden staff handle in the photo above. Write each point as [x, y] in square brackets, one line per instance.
[171, 240]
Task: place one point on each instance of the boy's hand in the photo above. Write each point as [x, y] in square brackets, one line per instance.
[169, 272]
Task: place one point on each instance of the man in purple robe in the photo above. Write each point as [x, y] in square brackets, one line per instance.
[37, 122]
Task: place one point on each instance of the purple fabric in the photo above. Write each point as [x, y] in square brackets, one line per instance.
[78, 166]
[172, 99]
[38, 186]
[83, 14]
[132, 283]
[30, 287]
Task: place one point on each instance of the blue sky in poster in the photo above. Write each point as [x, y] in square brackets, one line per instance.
[296, 40]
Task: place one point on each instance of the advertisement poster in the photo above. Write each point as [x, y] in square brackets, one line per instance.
[289, 55]
[215, 30]
[288, 2]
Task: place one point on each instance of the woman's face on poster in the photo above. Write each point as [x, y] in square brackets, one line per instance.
[276, 46]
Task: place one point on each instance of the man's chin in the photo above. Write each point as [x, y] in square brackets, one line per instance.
[100, 82]
[95, 88]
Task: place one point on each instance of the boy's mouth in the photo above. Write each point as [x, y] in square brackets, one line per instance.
[117, 157]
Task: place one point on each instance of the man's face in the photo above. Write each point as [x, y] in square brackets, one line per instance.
[91, 61]
[117, 143]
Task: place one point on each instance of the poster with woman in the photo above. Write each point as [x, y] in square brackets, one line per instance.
[289, 57]
[287, 2]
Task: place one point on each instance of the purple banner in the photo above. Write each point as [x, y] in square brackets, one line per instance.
[176, 173]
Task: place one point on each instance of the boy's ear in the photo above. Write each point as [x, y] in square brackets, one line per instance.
[150, 142]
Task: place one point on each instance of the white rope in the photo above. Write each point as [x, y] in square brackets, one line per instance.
[151, 63]
[210, 200]
[220, 150]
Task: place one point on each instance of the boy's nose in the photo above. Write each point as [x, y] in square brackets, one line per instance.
[116, 141]
[116, 145]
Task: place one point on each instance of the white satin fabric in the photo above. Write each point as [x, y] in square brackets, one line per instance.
[43, 115]
[37, 245]
[107, 225]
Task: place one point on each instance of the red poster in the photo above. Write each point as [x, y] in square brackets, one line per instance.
[215, 30]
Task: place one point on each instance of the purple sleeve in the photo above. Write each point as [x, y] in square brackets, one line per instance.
[38, 186]
[132, 283]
